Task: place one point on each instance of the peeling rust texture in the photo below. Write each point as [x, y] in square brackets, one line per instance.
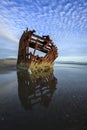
[43, 44]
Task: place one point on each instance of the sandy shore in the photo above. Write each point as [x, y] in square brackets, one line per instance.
[7, 65]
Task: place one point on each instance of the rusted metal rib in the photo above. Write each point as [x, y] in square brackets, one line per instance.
[43, 44]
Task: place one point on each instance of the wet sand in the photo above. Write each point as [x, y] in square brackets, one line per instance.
[57, 102]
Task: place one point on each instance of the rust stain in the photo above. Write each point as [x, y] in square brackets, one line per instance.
[41, 43]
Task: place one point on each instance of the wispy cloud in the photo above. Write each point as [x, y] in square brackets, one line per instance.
[64, 20]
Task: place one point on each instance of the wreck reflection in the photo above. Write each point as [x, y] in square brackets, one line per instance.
[34, 90]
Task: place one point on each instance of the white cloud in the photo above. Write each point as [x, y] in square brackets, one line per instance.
[72, 59]
[7, 35]
[62, 20]
[7, 2]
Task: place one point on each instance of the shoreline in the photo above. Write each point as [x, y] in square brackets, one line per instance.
[7, 65]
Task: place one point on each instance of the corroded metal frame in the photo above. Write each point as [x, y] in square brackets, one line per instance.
[44, 44]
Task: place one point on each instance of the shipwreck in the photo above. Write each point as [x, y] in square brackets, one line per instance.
[30, 44]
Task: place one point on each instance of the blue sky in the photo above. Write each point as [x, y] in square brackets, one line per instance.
[64, 20]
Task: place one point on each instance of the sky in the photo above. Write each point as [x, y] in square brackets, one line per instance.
[64, 20]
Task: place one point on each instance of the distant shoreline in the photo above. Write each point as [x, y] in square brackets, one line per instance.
[7, 65]
[71, 62]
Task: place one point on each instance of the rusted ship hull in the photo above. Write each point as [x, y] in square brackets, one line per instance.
[38, 43]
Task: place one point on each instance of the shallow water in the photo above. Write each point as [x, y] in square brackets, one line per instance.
[58, 101]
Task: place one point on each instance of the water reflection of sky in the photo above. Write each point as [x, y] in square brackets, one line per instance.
[60, 102]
